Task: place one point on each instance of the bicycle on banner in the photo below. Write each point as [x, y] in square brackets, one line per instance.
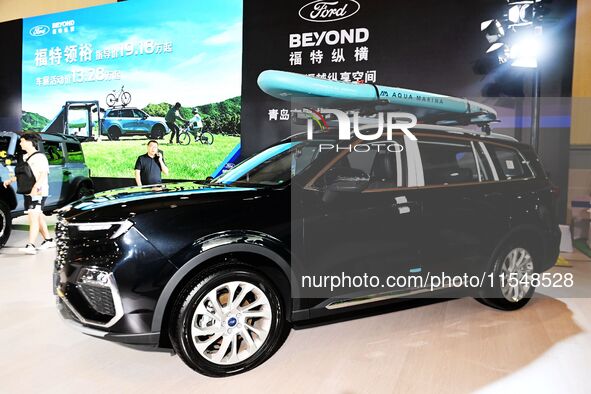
[123, 97]
[193, 130]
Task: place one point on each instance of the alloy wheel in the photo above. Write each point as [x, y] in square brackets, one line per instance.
[231, 322]
[516, 270]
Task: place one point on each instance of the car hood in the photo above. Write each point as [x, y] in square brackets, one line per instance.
[124, 203]
[156, 119]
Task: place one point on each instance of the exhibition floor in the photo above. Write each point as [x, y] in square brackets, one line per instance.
[455, 346]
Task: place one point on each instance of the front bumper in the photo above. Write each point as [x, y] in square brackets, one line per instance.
[150, 339]
[108, 287]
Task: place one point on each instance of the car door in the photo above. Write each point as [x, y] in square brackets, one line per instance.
[129, 122]
[141, 124]
[54, 152]
[367, 233]
[457, 221]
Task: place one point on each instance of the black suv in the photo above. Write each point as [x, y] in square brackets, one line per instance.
[216, 271]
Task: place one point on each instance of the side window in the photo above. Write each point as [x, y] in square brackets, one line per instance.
[74, 153]
[53, 152]
[113, 114]
[448, 162]
[126, 113]
[383, 166]
[509, 162]
[138, 114]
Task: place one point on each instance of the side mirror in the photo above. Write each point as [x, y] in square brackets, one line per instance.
[344, 180]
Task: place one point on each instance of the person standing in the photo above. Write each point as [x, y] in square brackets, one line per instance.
[171, 117]
[35, 200]
[149, 166]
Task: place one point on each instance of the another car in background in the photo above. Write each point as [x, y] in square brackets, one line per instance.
[128, 121]
[69, 177]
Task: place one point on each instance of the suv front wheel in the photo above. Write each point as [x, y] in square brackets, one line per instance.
[227, 322]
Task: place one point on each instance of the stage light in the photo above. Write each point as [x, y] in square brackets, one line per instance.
[493, 30]
[525, 52]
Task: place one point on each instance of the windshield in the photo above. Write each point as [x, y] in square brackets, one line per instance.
[273, 166]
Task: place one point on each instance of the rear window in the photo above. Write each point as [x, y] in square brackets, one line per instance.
[74, 153]
[509, 162]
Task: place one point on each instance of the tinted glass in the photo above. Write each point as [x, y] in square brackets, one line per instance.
[448, 162]
[126, 113]
[510, 164]
[384, 167]
[53, 152]
[74, 153]
[273, 166]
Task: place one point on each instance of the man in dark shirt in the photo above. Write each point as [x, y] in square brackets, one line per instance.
[149, 166]
[171, 117]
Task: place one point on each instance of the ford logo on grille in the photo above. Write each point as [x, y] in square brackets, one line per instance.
[39, 30]
[329, 11]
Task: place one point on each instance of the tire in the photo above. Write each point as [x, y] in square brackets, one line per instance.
[125, 98]
[511, 297]
[83, 191]
[206, 138]
[5, 223]
[157, 132]
[114, 133]
[194, 307]
[184, 138]
[111, 100]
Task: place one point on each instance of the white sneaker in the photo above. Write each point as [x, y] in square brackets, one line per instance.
[29, 249]
[47, 244]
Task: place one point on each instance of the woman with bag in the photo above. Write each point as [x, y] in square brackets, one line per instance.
[32, 174]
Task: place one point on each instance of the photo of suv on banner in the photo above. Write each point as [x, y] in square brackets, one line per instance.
[223, 290]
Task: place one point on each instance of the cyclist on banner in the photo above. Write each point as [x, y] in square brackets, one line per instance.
[171, 117]
[195, 123]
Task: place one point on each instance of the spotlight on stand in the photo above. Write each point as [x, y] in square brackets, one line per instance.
[516, 39]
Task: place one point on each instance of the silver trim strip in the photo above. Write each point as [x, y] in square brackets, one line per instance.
[476, 160]
[490, 162]
[377, 297]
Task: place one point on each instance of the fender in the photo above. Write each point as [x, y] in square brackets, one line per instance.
[8, 195]
[528, 230]
[218, 244]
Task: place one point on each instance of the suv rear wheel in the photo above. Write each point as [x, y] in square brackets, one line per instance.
[227, 322]
[5, 223]
[114, 133]
[512, 268]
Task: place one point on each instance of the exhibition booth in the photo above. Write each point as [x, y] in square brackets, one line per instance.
[297, 196]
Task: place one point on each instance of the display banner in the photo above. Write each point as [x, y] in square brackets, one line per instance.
[136, 59]
[431, 47]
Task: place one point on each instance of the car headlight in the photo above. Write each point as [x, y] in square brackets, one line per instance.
[118, 228]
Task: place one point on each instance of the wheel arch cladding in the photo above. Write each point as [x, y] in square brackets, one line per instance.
[258, 258]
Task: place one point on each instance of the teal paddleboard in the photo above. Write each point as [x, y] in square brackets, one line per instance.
[287, 86]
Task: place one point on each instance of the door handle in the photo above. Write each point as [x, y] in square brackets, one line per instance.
[403, 205]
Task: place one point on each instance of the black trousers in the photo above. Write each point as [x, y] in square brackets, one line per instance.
[174, 130]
